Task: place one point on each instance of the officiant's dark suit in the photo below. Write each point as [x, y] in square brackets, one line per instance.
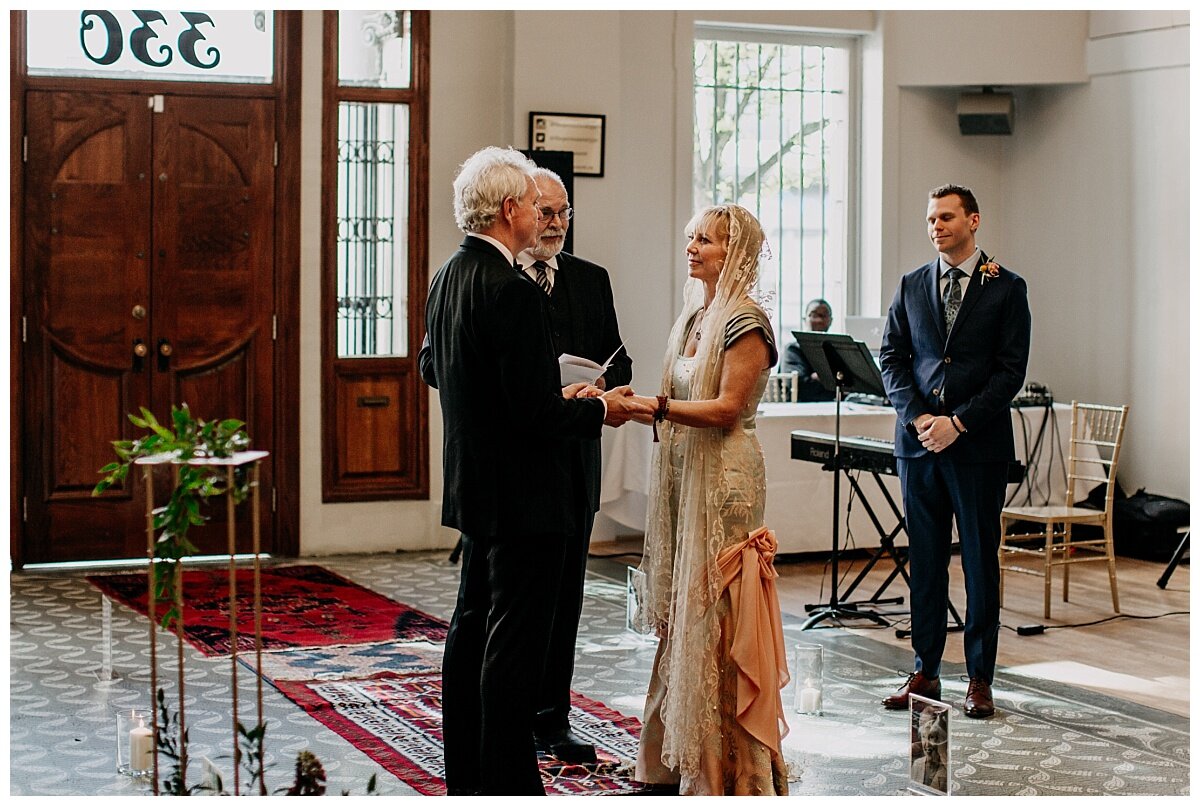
[583, 322]
[952, 390]
[492, 360]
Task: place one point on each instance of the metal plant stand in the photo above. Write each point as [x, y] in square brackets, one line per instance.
[230, 464]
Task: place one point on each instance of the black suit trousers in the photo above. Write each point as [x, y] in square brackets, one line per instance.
[554, 694]
[494, 654]
[936, 489]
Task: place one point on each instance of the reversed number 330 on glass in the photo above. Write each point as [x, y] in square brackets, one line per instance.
[102, 39]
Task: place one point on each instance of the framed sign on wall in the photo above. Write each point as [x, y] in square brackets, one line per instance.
[565, 131]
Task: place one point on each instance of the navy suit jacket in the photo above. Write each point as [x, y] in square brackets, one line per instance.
[504, 420]
[974, 371]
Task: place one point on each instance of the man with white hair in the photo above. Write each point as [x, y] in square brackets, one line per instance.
[505, 417]
[583, 322]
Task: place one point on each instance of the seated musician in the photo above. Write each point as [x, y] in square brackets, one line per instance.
[819, 314]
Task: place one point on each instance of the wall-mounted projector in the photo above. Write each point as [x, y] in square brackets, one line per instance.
[987, 112]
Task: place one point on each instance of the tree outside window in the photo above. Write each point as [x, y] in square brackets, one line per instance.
[774, 132]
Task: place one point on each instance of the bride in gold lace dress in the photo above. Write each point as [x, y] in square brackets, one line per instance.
[713, 723]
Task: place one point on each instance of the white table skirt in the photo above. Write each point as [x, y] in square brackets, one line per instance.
[800, 494]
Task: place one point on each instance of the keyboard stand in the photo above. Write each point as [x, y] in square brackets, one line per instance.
[887, 547]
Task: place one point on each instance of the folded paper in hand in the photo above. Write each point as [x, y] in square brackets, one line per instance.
[576, 369]
[573, 369]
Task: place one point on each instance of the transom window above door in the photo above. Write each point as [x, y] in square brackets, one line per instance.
[215, 46]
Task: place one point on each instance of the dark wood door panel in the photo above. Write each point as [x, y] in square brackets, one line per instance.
[224, 390]
[379, 450]
[141, 227]
[85, 411]
[215, 233]
[214, 273]
[87, 230]
[88, 227]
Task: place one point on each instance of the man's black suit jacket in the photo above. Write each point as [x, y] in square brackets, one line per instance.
[974, 371]
[492, 360]
[584, 323]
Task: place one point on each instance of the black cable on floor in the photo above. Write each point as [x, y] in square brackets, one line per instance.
[1043, 627]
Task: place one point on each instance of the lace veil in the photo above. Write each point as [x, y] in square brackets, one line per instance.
[676, 597]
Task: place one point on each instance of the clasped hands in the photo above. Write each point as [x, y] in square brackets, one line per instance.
[623, 405]
[936, 433]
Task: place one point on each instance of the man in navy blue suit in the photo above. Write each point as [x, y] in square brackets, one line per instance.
[953, 357]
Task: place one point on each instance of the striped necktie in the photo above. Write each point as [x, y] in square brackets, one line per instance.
[543, 280]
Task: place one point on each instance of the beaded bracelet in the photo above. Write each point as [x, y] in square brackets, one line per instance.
[664, 405]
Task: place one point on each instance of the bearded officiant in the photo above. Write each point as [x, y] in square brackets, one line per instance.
[583, 322]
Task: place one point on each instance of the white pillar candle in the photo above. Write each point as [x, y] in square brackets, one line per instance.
[810, 700]
[141, 748]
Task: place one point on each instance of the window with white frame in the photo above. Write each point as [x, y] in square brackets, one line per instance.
[776, 130]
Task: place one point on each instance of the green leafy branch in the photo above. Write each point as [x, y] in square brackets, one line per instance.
[188, 438]
[250, 753]
[173, 747]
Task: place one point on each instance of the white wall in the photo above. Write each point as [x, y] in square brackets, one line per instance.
[471, 92]
[1112, 273]
[1087, 199]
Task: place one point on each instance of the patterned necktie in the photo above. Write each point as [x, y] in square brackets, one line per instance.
[543, 280]
[952, 300]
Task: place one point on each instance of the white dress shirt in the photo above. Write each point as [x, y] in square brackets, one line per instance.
[964, 282]
[527, 260]
[503, 249]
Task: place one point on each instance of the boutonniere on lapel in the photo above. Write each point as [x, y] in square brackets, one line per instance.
[990, 270]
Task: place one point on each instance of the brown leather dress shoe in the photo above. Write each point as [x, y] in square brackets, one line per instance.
[917, 683]
[978, 704]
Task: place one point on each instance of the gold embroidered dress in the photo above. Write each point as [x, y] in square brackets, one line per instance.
[704, 526]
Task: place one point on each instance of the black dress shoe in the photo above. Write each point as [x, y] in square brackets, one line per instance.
[564, 745]
[978, 704]
[917, 683]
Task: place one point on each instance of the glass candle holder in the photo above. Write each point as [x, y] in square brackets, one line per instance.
[634, 580]
[135, 743]
[807, 674]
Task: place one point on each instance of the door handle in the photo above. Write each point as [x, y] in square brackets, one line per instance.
[140, 351]
[164, 354]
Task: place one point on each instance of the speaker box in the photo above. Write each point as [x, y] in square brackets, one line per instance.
[985, 113]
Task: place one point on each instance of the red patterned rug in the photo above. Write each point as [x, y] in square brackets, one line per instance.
[303, 606]
[396, 719]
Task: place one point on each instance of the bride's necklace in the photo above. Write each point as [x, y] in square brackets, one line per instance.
[699, 320]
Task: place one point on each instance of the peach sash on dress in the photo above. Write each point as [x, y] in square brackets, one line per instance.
[747, 570]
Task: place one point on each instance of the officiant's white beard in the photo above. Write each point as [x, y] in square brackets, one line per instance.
[549, 244]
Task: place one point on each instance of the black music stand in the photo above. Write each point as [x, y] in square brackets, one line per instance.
[842, 365]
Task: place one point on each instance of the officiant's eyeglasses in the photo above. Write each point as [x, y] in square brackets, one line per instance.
[564, 215]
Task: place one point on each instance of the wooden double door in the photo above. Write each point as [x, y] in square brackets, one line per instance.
[149, 280]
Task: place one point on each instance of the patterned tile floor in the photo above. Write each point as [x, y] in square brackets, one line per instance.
[70, 673]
